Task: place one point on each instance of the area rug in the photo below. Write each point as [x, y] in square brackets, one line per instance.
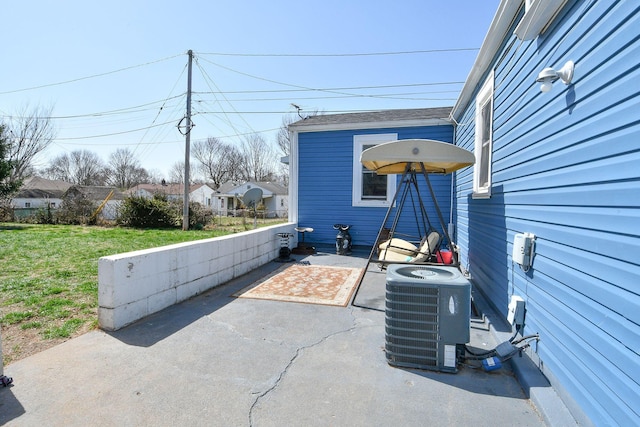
[312, 284]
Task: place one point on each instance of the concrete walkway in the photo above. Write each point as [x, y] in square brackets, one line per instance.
[220, 361]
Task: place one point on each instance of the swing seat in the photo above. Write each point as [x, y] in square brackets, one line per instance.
[398, 250]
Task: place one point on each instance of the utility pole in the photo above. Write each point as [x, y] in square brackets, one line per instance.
[187, 148]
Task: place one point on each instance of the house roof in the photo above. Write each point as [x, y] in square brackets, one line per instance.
[273, 188]
[36, 187]
[168, 189]
[94, 192]
[377, 119]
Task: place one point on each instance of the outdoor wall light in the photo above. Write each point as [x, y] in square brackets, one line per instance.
[549, 75]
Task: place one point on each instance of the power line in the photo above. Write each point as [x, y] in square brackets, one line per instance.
[125, 110]
[286, 112]
[123, 144]
[87, 77]
[208, 80]
[337, 55]
[398, 96]
[114, 133]
[331, 88]
[299, 87]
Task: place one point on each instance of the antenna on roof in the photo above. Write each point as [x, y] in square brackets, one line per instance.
[297, 107]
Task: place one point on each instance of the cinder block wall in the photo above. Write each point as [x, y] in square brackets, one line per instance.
[136, 284]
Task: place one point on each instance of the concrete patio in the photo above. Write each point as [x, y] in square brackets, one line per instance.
[216, 360]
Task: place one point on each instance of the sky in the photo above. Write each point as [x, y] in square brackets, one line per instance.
[114, 72]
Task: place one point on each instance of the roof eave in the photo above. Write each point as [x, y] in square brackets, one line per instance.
[506, 13]
[370, 125]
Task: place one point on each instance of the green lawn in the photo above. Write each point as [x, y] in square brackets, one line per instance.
[49, 277]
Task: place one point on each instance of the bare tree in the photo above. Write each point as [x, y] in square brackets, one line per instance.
[259, 159]
[7, 188]
[218, 160]
[176, 173]
[154, 176]
[79, 167]
[282, 138]
[30, 133]
[124, 170]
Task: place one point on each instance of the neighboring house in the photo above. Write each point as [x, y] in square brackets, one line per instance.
[562, 165]
[200, 193]
[274, 197]
[36, 193]
[109, 197]
[328, 182]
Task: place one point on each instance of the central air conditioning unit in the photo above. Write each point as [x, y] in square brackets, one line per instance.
[427, 315]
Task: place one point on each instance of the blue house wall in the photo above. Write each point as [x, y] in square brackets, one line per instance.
[325, 184]
[566, 167]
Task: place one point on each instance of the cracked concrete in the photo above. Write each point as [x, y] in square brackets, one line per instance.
[291, 362]
[219, 361]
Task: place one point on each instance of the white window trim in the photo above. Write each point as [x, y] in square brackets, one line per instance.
[356, 194]
[485, 95]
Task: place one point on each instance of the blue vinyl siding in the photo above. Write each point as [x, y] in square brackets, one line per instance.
[566, 167]
[325, 184]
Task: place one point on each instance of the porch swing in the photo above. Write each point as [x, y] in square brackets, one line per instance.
[411, 157]
[401, 247]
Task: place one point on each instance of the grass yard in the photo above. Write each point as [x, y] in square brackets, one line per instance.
[49, 277]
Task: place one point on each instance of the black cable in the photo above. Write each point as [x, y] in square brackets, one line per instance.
[515, 334]
[483, 354]
[527, 337]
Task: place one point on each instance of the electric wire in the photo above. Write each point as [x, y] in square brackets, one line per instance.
[303, 89]
[299, 87]
[210, 82]
[111, 134]
[146, 148]
[88, 77]
[135, 113]
[337, 55]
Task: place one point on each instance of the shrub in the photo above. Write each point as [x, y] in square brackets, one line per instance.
[158, 212]
[76, 209]
[142, 212]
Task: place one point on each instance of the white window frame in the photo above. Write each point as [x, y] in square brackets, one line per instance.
[483, 190]
[359, 141]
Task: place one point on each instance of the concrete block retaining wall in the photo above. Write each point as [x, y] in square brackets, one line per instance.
[136, 284]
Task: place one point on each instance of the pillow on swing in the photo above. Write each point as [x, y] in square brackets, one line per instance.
[399, 246]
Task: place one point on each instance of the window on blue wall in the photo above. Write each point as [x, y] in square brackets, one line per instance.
[483, 140]
[369, 188]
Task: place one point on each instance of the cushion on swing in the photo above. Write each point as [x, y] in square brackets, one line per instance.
[428, 247]
[391, 256]
[399, 246]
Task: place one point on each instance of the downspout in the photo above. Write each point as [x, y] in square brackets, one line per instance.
[293, 177]
[451, 226]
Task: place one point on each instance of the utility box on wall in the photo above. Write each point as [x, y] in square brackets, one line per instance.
[523, 251]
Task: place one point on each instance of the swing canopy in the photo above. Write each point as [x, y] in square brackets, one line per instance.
[435, 156]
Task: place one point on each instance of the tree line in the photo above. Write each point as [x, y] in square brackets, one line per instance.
[31, 132]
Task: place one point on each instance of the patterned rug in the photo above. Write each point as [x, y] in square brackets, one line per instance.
[312, 284]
